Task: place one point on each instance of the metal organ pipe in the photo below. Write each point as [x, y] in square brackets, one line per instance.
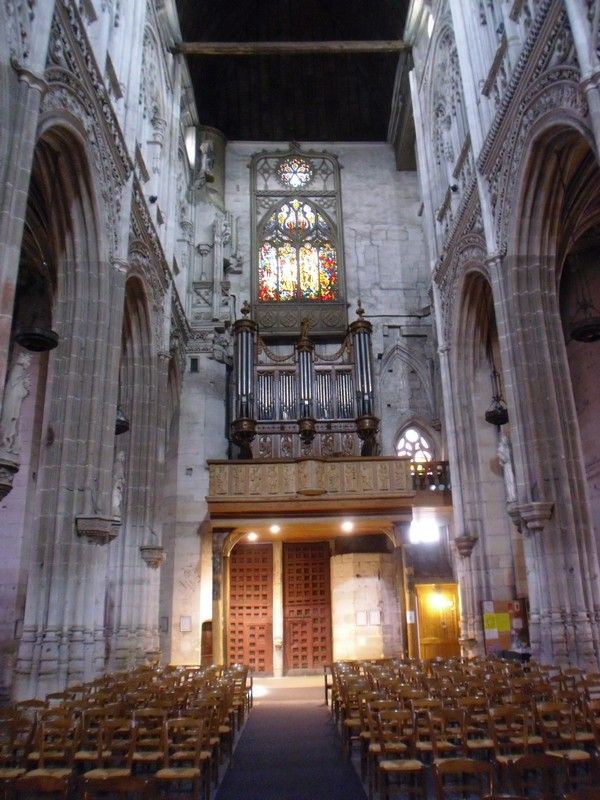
[243, 425]
[367, 423]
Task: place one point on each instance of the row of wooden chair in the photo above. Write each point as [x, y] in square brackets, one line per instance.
[98, 738]
[414, 719]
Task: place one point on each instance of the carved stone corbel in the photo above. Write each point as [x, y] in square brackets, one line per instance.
[465, 544]
[153, 555]
[8, 470]
[535, 515]
[96, 528]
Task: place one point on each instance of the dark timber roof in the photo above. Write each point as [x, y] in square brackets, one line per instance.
[344, 97]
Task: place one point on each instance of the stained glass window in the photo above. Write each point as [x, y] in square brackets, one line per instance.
[297, 255]
[294, 172]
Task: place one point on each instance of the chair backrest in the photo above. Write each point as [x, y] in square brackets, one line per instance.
[54, 742]
[459, 776]
[117, 742]
[392, 726]
[540, 773]
[182, 741]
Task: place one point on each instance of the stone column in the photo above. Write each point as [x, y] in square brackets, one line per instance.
[221, 566]
[560, 548]
[278, 629]
[30, 89]
[585, 39]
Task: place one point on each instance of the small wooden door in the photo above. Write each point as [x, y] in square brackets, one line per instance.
[438, 620]
[250, 625]
[306, 605]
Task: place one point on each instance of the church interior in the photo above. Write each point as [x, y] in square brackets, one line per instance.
[299, 324]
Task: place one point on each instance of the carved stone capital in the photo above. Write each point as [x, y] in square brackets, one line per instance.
[120, 265]
[465, 544]
[96, 528]
[153, 555]
[512, 509]
[33, 79]
[535, 515]
[590, 81]
[8, 470]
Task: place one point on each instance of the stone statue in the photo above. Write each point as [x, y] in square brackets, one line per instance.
[506, 462]
[118, 483]
[16, 390]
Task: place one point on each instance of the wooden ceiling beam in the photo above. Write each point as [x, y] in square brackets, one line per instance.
[289, 48]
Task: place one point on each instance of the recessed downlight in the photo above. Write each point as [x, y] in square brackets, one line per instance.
[347, 526]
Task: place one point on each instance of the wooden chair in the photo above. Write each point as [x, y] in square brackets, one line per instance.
[562, 737]
[184, 759]
[514, 735]
[16, 735]
[462, 776]
[114, 763]
[148, 750]
[539, 775]
[51, 760]
[395, 737]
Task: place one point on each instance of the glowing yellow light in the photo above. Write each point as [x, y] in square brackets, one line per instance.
[347, 526]
[252, 536]
[274, 528]
[438, 601]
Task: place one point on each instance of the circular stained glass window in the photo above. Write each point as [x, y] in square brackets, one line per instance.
[294, 172]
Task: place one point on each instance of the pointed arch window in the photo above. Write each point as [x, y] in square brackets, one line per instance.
[297, 256]
[297, 243]
[413, 444]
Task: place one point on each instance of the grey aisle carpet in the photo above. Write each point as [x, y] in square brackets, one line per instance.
[290, 751]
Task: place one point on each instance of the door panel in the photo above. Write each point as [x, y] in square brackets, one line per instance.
[250, 625]
[306, 605]
[438, 620]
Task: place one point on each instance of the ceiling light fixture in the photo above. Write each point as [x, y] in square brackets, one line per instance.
[347, 526]
[275, 529]
[252, 536]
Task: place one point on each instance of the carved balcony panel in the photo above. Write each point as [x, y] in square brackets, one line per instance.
[311, 485]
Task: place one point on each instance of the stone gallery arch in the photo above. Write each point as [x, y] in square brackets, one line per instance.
[554, 507]
[487, 482]
[133, 583]
[72, 481]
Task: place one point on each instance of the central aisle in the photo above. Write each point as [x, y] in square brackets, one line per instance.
[289, 749]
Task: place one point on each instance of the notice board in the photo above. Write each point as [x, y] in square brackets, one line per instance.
[504, 625]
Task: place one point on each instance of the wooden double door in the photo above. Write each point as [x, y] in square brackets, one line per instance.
[306, 606]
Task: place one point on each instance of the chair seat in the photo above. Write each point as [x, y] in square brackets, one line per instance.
[570, 755]
[177, 773]
[48, 772]
[105, 773]
[395, 747]
[480, 744]
[48, 754]
[401, 765]
[535, 740]
[10, 773]
[580, 736]
[147, 756]
[90, 755]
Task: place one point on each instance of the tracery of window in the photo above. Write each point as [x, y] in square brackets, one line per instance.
[414, 445]
[297, 255]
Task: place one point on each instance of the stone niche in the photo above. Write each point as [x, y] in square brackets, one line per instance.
[364, 606]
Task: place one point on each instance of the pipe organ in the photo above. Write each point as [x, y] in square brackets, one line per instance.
[303, 401]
